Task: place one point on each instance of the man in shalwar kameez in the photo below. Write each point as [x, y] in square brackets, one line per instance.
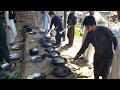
[100, 21]
[12, 33]
[101, 38]
[114, 70]
[56, 21]
[46, 21]
[4, 51]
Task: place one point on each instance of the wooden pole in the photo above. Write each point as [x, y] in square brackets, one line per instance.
[65, 25]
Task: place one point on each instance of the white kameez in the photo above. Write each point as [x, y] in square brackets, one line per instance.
[11, 33]
[46, 21]
[114, 72]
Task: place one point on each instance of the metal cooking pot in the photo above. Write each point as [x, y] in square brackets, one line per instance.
[6, 66]
[61, 71]
[33, 51]
[59, 61]
[53, 54]
[49, 49]
[26, 26]
[47, 44]
[37, 76]
[17, 47]
[32, 32]
[28, 29]
[38, 58]
[16, 56]
[45, 39]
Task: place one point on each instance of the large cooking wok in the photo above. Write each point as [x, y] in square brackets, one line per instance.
[61, 71]
[33, 51]
[53, 54]
[32, 32]
[28, 29]
[45, 39]
[6, 66]
[59, 61]
[38, 58]
[16, 56]
[17, 46]
[37, 76]
[49, 49]
[47, 44]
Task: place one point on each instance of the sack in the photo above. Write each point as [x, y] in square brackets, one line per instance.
[12, 15]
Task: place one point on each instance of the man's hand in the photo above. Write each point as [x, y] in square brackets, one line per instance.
[76, 57]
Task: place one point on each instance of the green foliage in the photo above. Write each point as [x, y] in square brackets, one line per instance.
[77, 29]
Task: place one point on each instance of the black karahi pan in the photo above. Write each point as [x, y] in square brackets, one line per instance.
[38, 58]
[45, 39]
[17, 46]
[37, 76]
[53, 54]
[61, 71]
[28, 29]
[47, 44]
[16, 56]
[32, 32]
[59, 61]
[49, 49]
[34, 51]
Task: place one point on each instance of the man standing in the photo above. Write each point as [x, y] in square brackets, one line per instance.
[58, 27]
[72, 21]
[101, 38]
[12, 33]
[46, 21]
[89, 53]
[4, 52]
